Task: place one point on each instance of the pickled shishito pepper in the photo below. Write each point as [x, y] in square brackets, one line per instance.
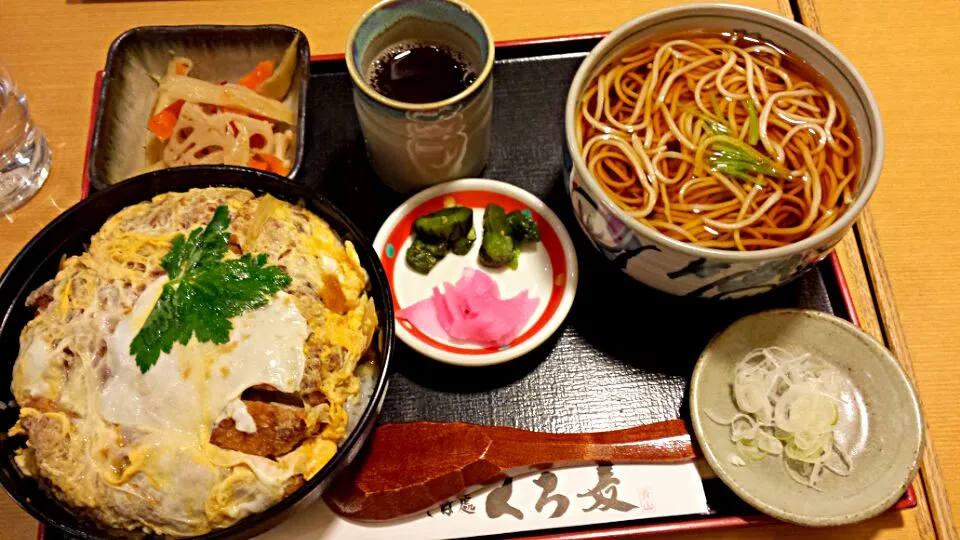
[449, 224]
[497, 247]
[437, 233]
[451, 229]
[461, 246]
[522, 227]
[423, 256]
[503, 236]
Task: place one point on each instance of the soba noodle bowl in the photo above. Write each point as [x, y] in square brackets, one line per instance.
[719, 140]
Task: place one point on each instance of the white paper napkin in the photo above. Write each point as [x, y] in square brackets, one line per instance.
[540, 500]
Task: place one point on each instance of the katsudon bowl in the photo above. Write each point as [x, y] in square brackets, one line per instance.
[71, 234]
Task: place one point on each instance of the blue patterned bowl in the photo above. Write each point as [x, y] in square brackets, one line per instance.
[684, 269]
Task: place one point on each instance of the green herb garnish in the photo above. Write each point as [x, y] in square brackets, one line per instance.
[713, 124]
[731, 156]
[739, 160]
[716, 106]
[753, 129]
[204, 291]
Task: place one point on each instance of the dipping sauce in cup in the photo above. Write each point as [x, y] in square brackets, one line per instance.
[423, 90]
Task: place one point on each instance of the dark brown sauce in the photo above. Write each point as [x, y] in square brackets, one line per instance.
[421, 73]
[800, 69]
[793, 64]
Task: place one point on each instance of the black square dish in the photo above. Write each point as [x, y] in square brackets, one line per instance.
[138, 58]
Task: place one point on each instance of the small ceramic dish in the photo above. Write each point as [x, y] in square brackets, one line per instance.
[547, 270]
[879, 420]
[139, 57]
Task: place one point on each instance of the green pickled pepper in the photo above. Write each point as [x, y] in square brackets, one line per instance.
[461, 246]
[497, 247]
[448, 224]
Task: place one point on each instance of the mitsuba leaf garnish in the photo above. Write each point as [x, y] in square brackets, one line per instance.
[204, 292]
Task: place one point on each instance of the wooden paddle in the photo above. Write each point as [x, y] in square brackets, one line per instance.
[409, 468]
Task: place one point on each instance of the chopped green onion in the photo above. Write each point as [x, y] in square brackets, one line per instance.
[753, 134]
[787, 407]
[749, 450]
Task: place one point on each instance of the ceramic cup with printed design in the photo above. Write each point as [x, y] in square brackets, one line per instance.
[682, 268]
[416, 145]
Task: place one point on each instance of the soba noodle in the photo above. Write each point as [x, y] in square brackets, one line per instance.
[718, 140]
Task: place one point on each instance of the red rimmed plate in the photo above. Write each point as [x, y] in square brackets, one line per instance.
[547, 270]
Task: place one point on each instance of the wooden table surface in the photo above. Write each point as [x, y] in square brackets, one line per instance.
[54, 47]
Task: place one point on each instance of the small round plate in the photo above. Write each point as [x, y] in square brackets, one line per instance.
[880, 422]
[547, 270]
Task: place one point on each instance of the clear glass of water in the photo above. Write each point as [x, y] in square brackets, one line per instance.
[24, 152]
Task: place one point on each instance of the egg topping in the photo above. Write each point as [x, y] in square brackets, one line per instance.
[212, 432]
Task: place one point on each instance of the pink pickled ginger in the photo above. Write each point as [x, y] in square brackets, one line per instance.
[471, 311]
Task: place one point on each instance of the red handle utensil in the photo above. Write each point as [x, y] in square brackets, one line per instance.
[409, 468]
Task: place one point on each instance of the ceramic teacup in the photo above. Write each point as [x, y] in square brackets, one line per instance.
[415, 145]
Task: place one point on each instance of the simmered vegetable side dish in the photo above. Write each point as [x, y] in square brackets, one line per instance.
[246, 123]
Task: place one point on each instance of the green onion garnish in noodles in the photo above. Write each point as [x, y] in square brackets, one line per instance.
[753, 131]
[713, 125]
[716, 106]
[732, 157]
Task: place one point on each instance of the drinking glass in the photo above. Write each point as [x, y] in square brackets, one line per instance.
[24, 152]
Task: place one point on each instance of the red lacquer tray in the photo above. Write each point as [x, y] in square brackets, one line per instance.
[533, 75]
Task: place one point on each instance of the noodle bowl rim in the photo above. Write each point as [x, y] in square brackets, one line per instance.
[623, 36]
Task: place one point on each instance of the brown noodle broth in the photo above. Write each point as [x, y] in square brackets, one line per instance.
[674, 187]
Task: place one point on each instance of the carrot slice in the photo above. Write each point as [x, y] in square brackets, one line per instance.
[274, 163]
[259, 74]
[258, 164]
[162, 123]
